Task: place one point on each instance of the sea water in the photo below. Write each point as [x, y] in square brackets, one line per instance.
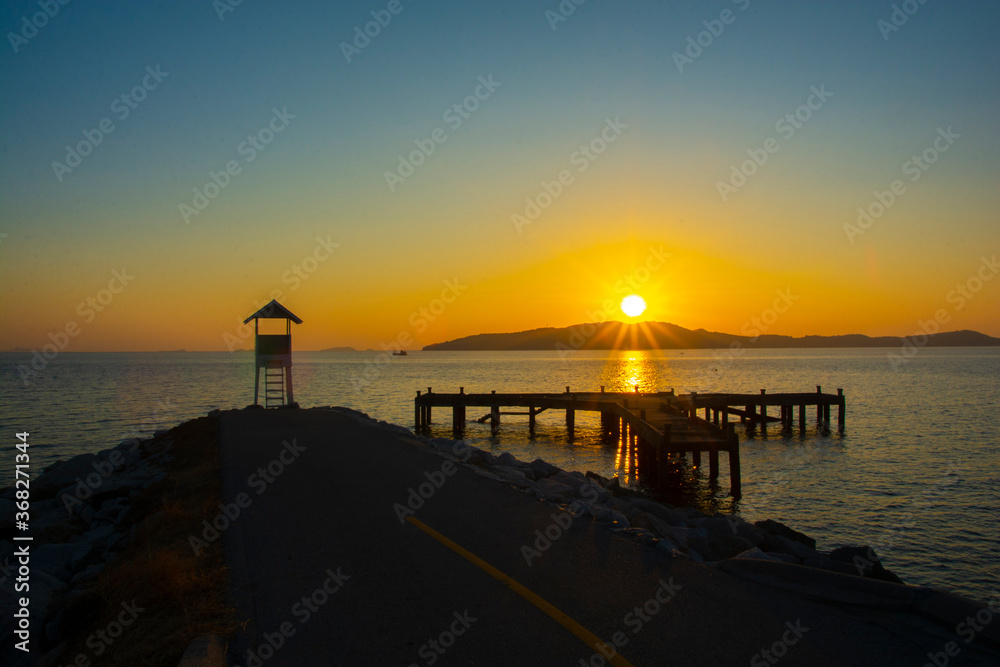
[916, 473]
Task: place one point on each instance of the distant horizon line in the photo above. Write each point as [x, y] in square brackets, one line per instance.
[350, 348]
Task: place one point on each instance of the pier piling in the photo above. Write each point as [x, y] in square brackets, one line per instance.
[652, 429]
[841, 410]
[735, 478]
[661, 455]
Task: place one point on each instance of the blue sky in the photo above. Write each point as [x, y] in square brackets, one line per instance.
[325, 172]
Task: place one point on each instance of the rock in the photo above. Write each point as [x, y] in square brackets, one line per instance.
[514, 476]
[553, 490]
[86, 513]
[489, 475]
[543, 468]
[507, 459]
[116, 487]
[603, 481]
[61, 474]
[712, 525]
[481, 459]
[618, 505]
[776, 528]
[110, 510]
[57, 524]
[730, 525]
[530, 472]
[616, 488]
[690, 538]
[700, 544]
[826, 563]
[746, 531]
[7, 508]
[92, 572]
[602, 514]
[48, 505]
[641, 519]
[676, 536]
[725, 545]
[618, 521]
[593, 492]
[778, 544]
[442, 443]
[784, 558]
[669, 547]
[865, 562]
[131, 456]
[639, 534]
[100, 533]
[45, 589]
[755, 553]
[57, 559]
[670, 515]
[691, 513]
[564, 477]
[159, 477]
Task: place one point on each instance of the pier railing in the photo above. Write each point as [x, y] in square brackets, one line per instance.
[653, 426]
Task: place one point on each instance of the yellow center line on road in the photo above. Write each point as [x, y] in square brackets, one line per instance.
[582, 633]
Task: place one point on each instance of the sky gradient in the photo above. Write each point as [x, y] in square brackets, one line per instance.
[641, 137]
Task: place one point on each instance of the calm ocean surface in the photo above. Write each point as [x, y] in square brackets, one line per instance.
[916, 474]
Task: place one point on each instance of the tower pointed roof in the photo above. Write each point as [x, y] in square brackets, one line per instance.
[274, 311]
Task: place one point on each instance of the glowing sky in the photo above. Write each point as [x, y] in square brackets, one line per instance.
[616, 125]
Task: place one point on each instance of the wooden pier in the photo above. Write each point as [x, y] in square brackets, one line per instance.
[652, 426]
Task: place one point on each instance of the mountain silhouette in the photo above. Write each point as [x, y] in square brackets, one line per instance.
[665, 336]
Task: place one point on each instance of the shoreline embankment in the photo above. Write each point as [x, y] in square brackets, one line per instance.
[333, 482]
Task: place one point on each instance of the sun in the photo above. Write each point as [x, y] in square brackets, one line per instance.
[633, 305]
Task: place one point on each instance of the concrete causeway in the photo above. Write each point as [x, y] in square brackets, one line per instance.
[355, 543]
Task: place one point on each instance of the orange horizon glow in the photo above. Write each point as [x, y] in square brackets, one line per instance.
[351, 190]
[722, 293]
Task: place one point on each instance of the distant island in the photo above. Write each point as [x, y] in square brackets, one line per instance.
[343, 348]
[664, 336]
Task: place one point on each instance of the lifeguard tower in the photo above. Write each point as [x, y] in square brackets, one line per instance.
[273, 353]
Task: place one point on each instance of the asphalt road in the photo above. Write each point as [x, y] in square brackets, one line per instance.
[329, 571]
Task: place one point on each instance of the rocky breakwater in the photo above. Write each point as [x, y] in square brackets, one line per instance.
[765, 553]
[682, 532]
[79, 519]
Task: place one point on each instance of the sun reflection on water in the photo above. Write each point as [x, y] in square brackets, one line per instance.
[626, 369]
